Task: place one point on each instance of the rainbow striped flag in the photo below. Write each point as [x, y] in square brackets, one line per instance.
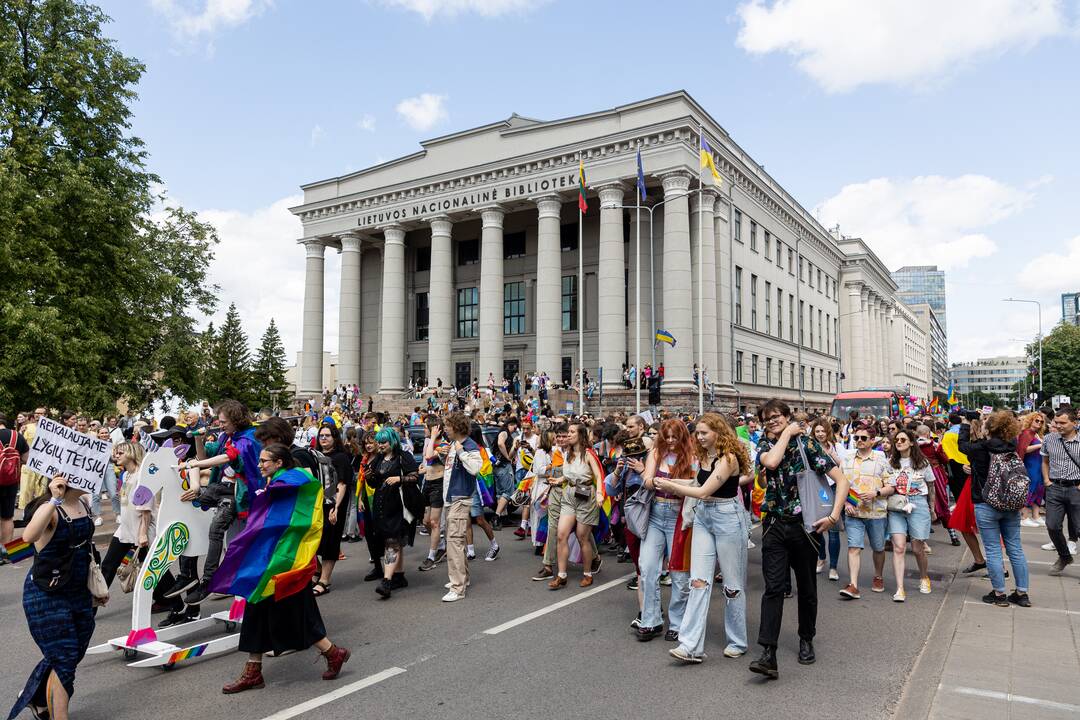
[853, 499]
[18, 549]
[274, 555]
[583, 206]
[485, 479]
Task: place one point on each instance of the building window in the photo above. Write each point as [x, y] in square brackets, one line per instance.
[738, 366]
[780, 313]
[779, 253]
[810, 273]
[830, 388]
[791, 319]
[462, 374]
[802, 314]
[819, 279]
[821, 379]
[768, 371]
[422, 316]
[468, 312]
[753, 368]
[513, 308]
[738, 295]
[819, 328]
[569, 302]
[567, 370]
[828, 334]
[827, 286]
[423, 259]
[801, 277]
[513, 245]
[568, 237]
[780, 373]
[768, 307]
[753, 302]
[791, 371]
[811, 378]
[802, 375]
[753, 236]
[768, 245]
[790, 261]
[468, 252]
[737, 225]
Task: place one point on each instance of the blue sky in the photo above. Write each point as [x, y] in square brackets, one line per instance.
[937, 135]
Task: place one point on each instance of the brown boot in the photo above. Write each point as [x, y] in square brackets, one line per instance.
[250, 679]
[335, 657]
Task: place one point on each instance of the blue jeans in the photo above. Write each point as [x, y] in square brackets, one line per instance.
[654, 547]
[108, 486]
[720, 530]
[834, 549]
[504, 481]
[995, 527]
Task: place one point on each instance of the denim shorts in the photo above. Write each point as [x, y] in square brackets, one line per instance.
[504, 481]
[477, 509]
[859, 528]
[915, 524]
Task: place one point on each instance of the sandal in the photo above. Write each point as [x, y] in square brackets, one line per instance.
[320, 588]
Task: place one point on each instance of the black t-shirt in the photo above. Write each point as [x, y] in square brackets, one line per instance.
[727, 490]
[20, 441]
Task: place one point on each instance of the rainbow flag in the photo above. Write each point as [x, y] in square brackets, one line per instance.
[903, 407]
[485, 479]
[18, 549]
[274, 555]
[187, 653]
[933, 407]
[853, 499]
[583, 206]
[526, 483]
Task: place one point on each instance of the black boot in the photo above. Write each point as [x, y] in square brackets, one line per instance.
[376, 572]
[384, 588]
[806, 652]
[398, 581]
[766, 664]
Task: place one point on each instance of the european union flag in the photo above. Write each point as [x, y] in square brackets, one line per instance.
[640, 176]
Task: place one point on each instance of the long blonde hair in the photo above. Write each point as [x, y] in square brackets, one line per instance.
[1027, 421]
[727, 442]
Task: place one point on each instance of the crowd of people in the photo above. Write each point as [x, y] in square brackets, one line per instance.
[678, 496]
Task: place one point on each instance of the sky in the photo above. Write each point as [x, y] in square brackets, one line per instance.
[941, 133]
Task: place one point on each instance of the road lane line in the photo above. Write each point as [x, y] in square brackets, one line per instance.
[333, 695]
[1009, 697]
[556, 606]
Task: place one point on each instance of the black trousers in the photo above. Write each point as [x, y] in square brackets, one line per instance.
[224, 515]
[376, 543]
[785, 548]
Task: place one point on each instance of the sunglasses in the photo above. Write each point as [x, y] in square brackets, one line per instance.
[859, 438]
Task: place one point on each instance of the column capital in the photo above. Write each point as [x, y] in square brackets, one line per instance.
[675, 182]
[393, 234]
[611, 195]
[350, 241]
[313, 247]
[706, 198]
[549, 206]
[492, 216]
[440, 225]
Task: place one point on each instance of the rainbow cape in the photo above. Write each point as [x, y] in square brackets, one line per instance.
[485, 479]
[604, 503]
[274, 555]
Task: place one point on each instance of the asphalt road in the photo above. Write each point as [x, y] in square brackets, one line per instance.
[414, 656]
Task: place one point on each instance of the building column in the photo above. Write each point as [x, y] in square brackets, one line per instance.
[549, 286]
[678, 292]
[703, 249]
[721, 245]
[441, 303]
[852, 352]
[392, 339]
[491, 296]
[894, 362]
[875, 341]
[865, 377]
[611, 287]
[348, 367]
[311, 354]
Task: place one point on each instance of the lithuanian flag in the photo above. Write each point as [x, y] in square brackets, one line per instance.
[583, 206]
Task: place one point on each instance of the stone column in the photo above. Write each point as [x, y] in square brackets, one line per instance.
[704, 249]
[441, 303]
[678, 292]
[722, 373]
[348, 367]
[875, 340]
[611, 287]
[311, 354]
[894, 364]
[392, 340]
[548, 287]
[491, 295]
[865, 378]
[851, 349]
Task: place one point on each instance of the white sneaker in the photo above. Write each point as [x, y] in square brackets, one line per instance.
[750, 545]
[1028, 522]
[97, 522]
[833, 575]
[733, 652]
[900, 596]
[447, 585]
[924, 586]
[452, 597]
[1042, 520]
[1048, 546]
[820, 566]
[1072, 547]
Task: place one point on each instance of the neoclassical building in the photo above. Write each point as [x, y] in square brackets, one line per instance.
[461, 260]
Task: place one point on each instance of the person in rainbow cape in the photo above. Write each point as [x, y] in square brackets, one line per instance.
[270, 564]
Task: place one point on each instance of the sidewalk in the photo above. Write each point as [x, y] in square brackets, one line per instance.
[986, 662]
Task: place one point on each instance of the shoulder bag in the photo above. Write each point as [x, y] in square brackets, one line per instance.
[816, 495]
[636, 509]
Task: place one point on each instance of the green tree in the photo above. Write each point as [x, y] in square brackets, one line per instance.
[979, 398]
[230, 364]
[95, 294]
[269, 369]
[1060, 366]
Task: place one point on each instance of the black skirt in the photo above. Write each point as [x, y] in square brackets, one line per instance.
[293, 623]
[330, 543]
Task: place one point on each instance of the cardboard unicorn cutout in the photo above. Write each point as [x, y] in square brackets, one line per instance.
[182, 530]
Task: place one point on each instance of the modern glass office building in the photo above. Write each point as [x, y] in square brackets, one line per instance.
[1070, 308]
[922, 284]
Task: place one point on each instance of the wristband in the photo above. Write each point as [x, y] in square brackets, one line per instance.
[56, 502]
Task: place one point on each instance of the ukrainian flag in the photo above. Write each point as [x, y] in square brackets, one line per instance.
[663, 336]
[707, 160]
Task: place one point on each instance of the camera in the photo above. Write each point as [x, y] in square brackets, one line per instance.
[970, 415]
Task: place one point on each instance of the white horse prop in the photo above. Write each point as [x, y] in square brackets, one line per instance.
[183, 529]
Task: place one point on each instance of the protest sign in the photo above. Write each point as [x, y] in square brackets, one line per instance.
[60, 450]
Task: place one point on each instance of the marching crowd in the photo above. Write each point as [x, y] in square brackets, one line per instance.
[677, 496]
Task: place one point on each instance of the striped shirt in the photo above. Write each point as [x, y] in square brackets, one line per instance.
[1061, 454]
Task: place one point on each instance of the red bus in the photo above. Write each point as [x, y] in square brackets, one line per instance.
[879, 402]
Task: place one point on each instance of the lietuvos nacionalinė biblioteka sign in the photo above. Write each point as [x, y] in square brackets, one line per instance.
[470, 200]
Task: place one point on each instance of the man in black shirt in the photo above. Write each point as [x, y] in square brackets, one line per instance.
[13, 452]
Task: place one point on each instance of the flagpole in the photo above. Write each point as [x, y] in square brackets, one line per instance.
[637, 302]
[700, 285]
[580, 296]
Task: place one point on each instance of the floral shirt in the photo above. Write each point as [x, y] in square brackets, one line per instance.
[782, 484]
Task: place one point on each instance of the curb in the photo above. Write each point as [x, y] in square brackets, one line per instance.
[915, 701]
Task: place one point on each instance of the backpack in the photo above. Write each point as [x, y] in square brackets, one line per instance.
[326, 473]
[10, 461]
[1006, 486]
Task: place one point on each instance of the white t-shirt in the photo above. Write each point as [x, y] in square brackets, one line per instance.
[909, 481]
[127, 530]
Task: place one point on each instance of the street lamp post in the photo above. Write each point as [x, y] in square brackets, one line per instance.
[1038, 305]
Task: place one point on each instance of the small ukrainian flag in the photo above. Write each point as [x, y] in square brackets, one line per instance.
[663, 336]
[707, 160]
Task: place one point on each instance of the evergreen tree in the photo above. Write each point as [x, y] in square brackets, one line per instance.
[269, 370]
[230, 363]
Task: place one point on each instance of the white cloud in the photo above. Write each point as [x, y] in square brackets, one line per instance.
[317, 134]
[925, 220]
[366, 122]
[423, 112]
[193, 18]
[1056, 271]
[843, 44]
[486, 8]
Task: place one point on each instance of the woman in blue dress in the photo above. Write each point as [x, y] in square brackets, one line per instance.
[1028, 444]
[58, 605]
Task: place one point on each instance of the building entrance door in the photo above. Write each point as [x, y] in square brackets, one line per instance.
[462, 374]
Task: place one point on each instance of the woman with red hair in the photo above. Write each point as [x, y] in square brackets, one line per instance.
[673, 458]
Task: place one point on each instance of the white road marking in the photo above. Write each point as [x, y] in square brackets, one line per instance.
[1038, 609]
[333, 695]
[1009, 697]
[556, 606]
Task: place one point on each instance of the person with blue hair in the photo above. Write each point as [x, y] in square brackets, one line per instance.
[395, 506]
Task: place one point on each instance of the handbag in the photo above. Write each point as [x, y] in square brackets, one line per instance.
[636, 509]
[128, 572]
[816, 495]
[95, 582]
